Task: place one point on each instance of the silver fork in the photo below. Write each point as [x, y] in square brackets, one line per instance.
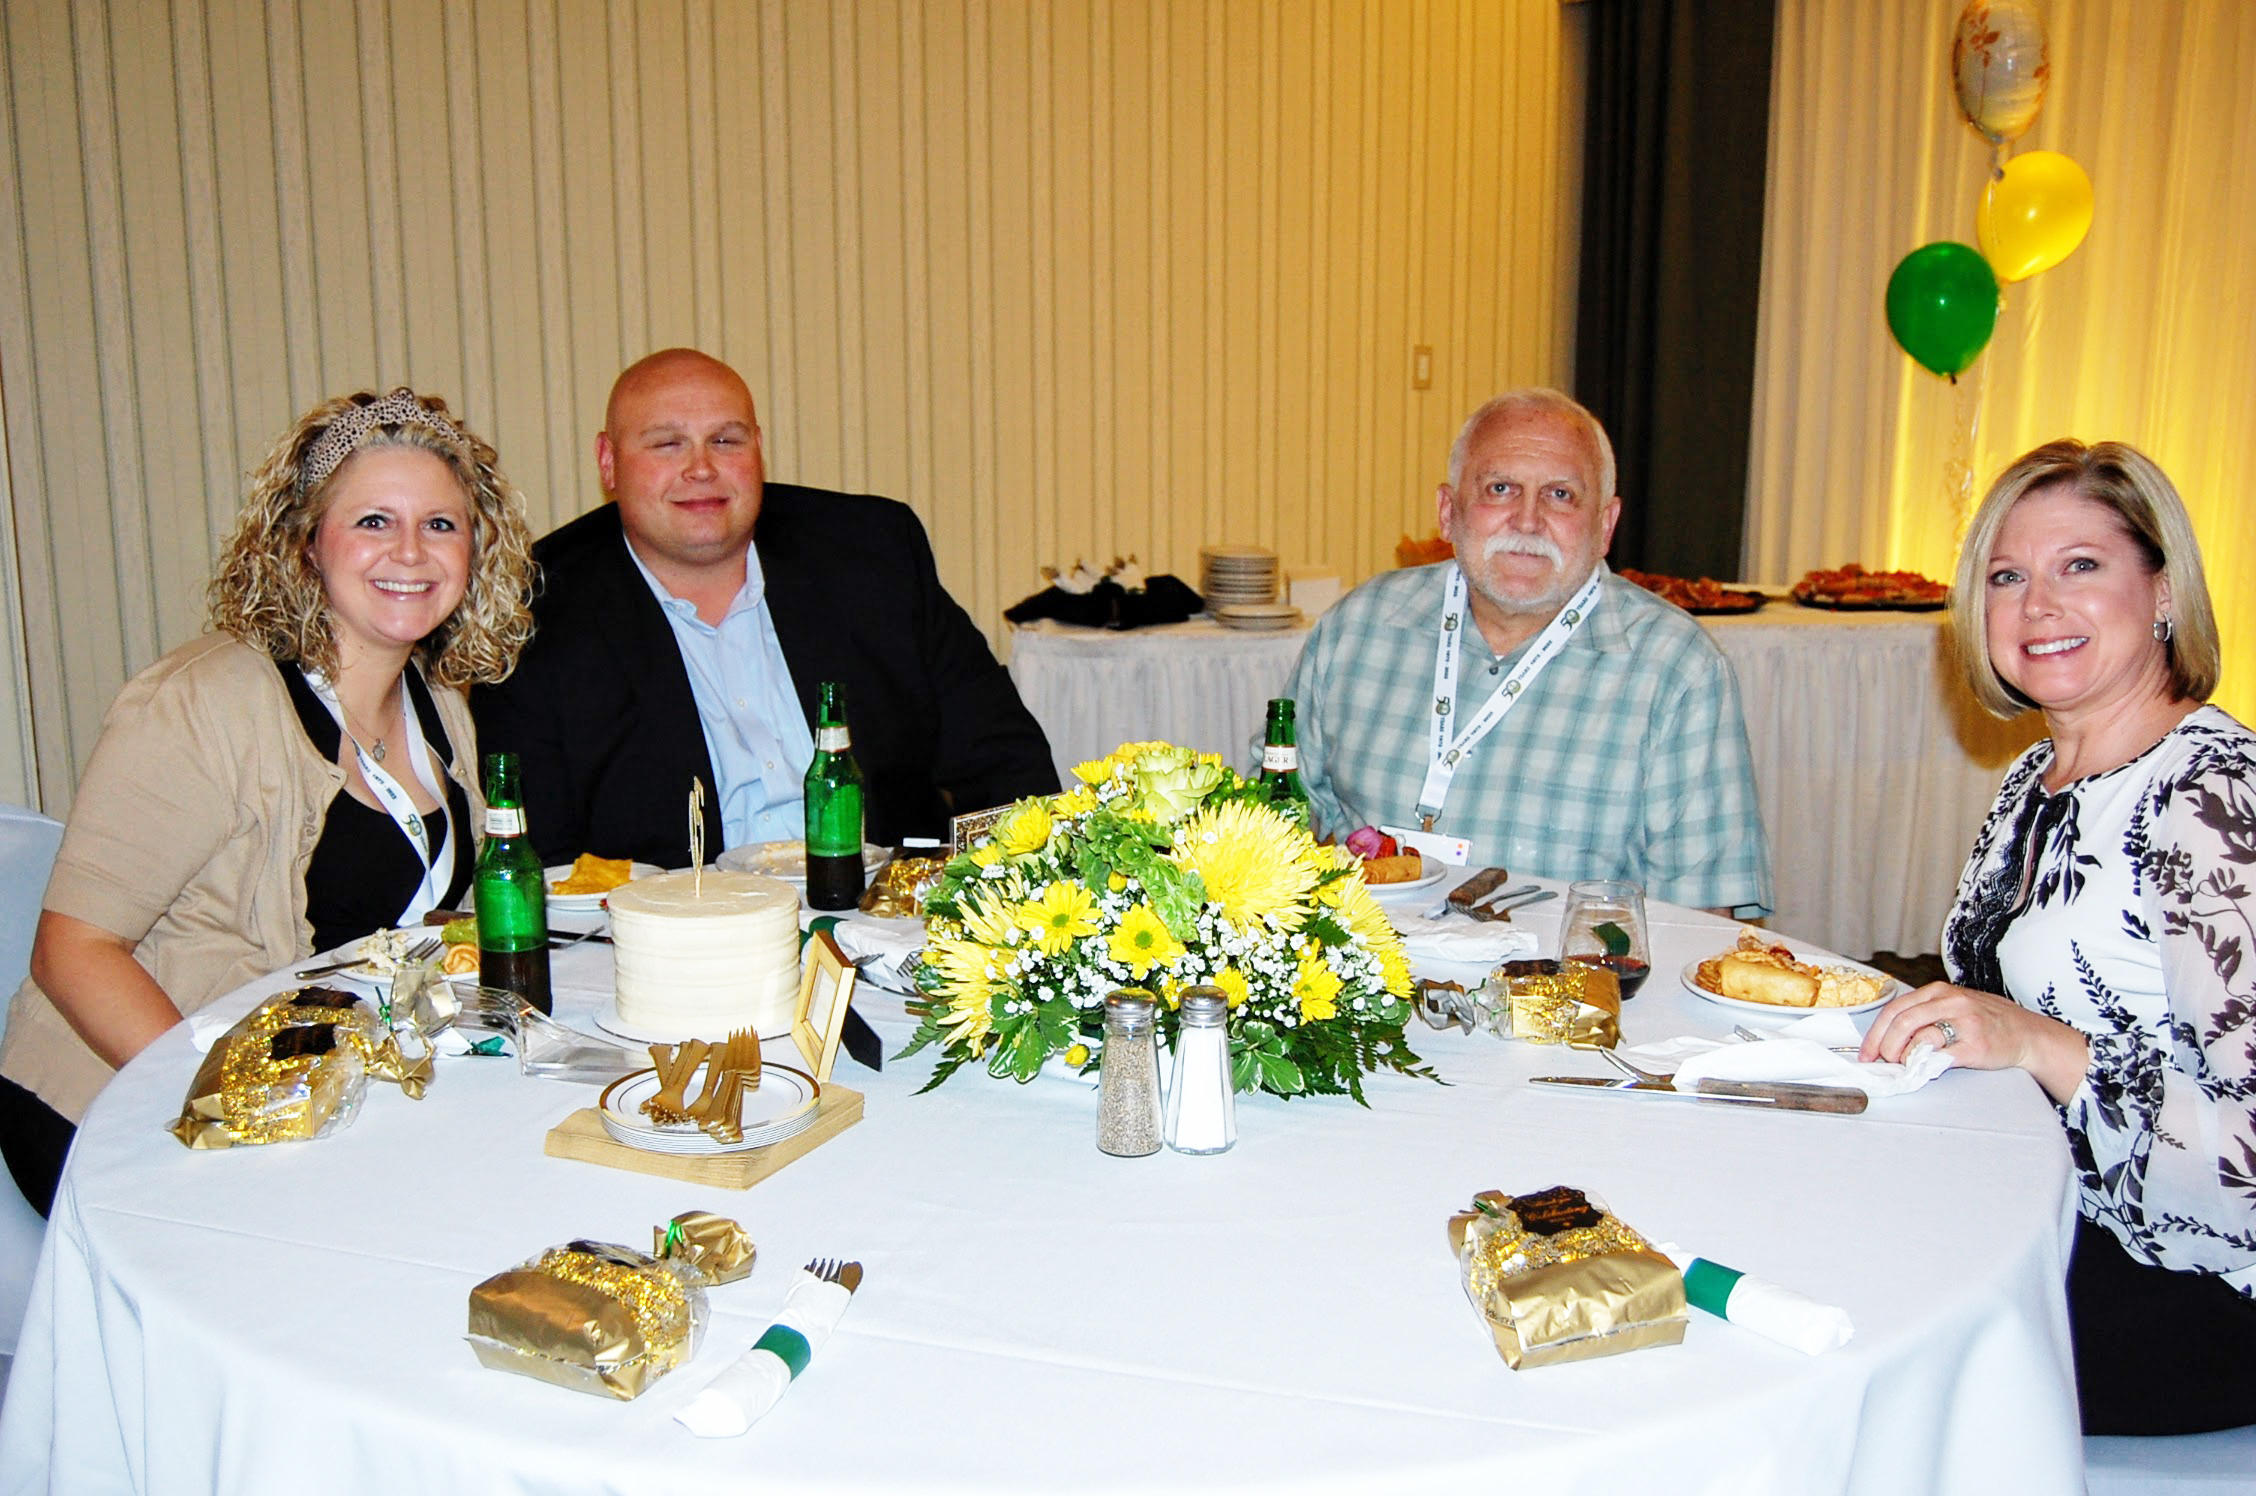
[422, 950]
[831, 1270]
[1752, 1037]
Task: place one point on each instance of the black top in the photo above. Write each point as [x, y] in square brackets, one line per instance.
[363, 872]
[601, 711]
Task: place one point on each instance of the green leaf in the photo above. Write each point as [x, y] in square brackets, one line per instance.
[1615, 938]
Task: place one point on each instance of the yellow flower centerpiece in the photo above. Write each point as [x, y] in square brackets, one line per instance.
[1162, 869]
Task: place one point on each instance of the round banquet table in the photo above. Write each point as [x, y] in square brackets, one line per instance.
[1037, 1316]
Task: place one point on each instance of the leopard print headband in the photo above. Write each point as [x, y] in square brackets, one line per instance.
[345, 434]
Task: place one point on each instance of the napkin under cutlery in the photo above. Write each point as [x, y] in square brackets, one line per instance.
[1802, 1051]
[1475, 945]
[742, 1395]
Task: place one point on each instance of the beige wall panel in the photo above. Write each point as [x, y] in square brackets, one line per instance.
[1074, 280]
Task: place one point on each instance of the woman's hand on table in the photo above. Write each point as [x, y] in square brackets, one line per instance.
[1982, 1031]
[92, 979]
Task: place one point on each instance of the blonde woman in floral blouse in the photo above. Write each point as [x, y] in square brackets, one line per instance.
[2104, 935]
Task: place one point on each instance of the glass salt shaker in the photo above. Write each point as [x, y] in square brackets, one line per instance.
[1128, 1083]
[1202, 1114]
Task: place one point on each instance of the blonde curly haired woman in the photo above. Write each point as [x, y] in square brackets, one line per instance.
[298, 777]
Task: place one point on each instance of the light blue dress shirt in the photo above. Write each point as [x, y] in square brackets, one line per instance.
[754, 733]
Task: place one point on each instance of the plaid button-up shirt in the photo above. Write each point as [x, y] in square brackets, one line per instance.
[1627, 758]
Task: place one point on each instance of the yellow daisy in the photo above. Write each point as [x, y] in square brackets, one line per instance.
[1078, 801]
[1233, 984]
[1316, 988]
[987, 854]
[1143, 942]
[1248, 857]
[1025, 831]
[1063, 914]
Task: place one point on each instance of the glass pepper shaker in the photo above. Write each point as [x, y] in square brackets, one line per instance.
[1128, 1085]
[1202, 1105]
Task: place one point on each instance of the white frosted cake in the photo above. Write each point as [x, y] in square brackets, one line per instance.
[697, 962]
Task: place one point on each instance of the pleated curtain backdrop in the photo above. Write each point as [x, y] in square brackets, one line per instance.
[1074, 278]
[2143, 335]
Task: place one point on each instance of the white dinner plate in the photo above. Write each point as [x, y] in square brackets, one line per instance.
[586, 903]
[784, 1104]
[1781, 1010]
[1390, 890]
[787, 860]
[607, 1019]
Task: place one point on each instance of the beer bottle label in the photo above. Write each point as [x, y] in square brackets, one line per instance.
[505, 820]
[833, 739]
[1279, 758]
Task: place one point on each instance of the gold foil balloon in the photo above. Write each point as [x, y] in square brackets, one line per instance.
[1998, 64]
[2034, 215]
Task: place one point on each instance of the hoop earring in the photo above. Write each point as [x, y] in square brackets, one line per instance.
[2164, 629]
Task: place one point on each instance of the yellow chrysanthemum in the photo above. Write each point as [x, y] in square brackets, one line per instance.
[1320, 860]
[987, 916]
[1249, 857]
[1078, 801]
[1025, 831]
[1115, 882]
[1095, 771]
[987, 854]
[1316, 989]
[1368, 922]
[967, 971]
[1063, 914]
[1233, 984]
[1077, 1055]
[1143, 941]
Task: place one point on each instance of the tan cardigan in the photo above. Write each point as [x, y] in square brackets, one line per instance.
[190, 836]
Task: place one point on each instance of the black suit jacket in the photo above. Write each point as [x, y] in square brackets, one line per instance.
[601, 714]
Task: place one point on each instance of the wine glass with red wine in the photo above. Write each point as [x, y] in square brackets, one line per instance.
[1604, 926]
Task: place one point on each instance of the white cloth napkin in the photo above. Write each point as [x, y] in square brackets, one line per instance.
[1802, 1052]
[1771, 1311]
[742, 1395]
[1473, 944]
[881, 948]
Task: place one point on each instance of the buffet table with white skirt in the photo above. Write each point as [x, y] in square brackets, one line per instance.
[1873, 764]
[1037, 1316]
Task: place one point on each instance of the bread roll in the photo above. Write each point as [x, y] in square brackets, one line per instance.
[1759, 981]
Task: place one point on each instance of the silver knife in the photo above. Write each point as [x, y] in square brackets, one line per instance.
[1785, 1096]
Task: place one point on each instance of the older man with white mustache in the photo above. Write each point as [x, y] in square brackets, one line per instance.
[1576, 726]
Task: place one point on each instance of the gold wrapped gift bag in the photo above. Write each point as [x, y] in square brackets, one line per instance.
[590, 1316]
[1557, 1002]
[296, 1067]
[607, 1319]
[1558, 1278]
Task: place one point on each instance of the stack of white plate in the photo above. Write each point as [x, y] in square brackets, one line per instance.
[784, 1104]
[1258, 616]
[1235, 575]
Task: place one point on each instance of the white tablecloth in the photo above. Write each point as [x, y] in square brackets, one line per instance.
[1037, 1316]
[1873, 764]
[1198, 684]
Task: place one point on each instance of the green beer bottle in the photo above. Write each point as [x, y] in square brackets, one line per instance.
[511, 891]
[1280, 762]
[834, 809]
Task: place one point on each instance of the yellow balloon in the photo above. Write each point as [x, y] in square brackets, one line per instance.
[2035, 216]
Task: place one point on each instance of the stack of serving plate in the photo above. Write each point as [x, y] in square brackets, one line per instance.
[1236, 575]
[784, 1104]
[1258, 616]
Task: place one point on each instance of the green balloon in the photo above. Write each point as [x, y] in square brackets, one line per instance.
[1943, 305]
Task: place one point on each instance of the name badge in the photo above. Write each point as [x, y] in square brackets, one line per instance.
[1454, 850]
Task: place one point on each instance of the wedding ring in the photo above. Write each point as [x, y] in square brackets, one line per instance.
[1950, 1035]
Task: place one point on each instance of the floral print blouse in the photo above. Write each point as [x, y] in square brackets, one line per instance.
[2125, 906]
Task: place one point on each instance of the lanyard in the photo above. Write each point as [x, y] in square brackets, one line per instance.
[394, 798]
[1448, 751]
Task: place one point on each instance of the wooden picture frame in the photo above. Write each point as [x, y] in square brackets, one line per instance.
[826, 991]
